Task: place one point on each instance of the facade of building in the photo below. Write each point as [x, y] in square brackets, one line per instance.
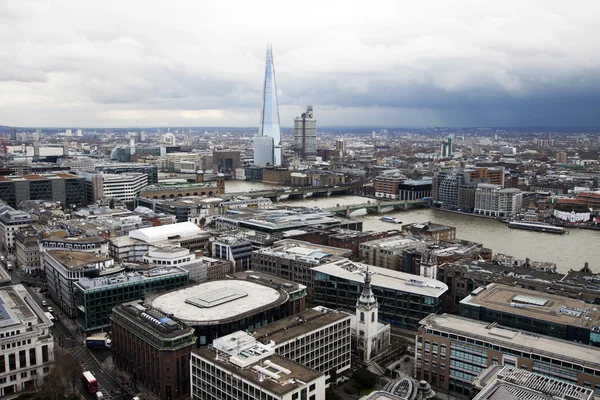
[226, 161]
[403, 299]
[66, 188]
[269, 119]
[64, 268]
[11, 221]
[541, 313]
[305, 135]
[293, 260]
[491, 175]
[231, 248]
[495, 201]
[174, 191]
[389, 252]
[153, 348]
[28, 251]
[199, 268]
[452, 351]
[96, 297]
[388, 186]
[239, 367]
[218, 308]
[123, 187]
[319, 338]
[26, 344]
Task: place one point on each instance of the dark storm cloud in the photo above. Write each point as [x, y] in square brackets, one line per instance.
[394, 62]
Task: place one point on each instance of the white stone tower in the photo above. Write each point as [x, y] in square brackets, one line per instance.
[366, 320]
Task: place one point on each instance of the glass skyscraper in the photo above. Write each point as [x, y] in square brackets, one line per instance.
[268, 151]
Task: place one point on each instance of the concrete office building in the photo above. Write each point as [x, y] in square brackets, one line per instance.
[11, 221]
[537, 312]
[27, 250]
[226, 161]
[26, 344]
[124, 187]
[267, 144]
[96, 297]
[153, 348]
[66, 188]
[495, 201]
[305, 135]
[318, 338]
[217, 308]
[293, 260]
[239, 367]
[403, 299]
[452, 351]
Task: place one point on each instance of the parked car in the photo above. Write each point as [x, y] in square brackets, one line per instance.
[50, 309]
[45, 303]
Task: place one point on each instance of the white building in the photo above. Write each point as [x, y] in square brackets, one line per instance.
[495, 201]
[11, 221]
[236, 366]
[372, 337]
[26, 344]
[199, 268]
[124, 187]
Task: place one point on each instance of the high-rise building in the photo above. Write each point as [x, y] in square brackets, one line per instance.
[13, 134]
[268, 151]
[305, 135]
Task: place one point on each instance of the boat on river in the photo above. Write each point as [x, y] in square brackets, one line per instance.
[537, 226]
[391, 219]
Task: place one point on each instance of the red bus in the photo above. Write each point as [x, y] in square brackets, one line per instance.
[90, 382]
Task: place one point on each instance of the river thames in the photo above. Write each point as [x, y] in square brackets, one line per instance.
[567, 251]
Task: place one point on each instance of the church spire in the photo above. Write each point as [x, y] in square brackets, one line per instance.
[367, 299]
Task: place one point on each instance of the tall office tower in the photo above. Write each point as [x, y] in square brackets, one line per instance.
[13, 134]
[305, 135]
[340, 146]
[268, 151]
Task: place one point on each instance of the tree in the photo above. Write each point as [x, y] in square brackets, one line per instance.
[63, 378]
[330, 394]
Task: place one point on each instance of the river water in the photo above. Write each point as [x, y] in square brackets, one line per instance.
[567, 251]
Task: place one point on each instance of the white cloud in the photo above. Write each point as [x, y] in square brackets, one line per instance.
[102, 62]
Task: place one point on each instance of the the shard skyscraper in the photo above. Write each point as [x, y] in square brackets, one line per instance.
[267, 145]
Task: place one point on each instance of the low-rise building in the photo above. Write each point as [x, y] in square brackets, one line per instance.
[389, 252]
[26, 344]
[403, 299]
[451, 351]
[235, 249]
[199, 268]
[153, 348]
[124, 186]
[28, 251]
[86, 244]
[495, 201]
[232, 369]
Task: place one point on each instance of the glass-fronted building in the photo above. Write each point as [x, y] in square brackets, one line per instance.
[404, 299]
[96, 298]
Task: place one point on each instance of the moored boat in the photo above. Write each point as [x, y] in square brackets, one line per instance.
[537, 226]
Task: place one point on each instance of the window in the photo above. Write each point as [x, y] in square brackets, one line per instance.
[362, 317]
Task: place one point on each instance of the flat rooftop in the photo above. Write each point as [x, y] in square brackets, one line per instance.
[296, 325]
[129, 277]
[384, 278]
[285, 383]
[37, 177]
[534, 304]
[219, 301]
[72, 259]
[395, 243]
[511, 338]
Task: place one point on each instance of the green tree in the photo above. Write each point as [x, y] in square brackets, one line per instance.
[364, 378]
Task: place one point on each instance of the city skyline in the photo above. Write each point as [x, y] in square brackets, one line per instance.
[396, 64]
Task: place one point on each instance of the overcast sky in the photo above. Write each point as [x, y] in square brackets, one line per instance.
[83, 63]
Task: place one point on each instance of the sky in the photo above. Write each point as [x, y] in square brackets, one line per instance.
[74, 63]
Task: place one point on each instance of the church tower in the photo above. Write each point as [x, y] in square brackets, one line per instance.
[366, 320]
